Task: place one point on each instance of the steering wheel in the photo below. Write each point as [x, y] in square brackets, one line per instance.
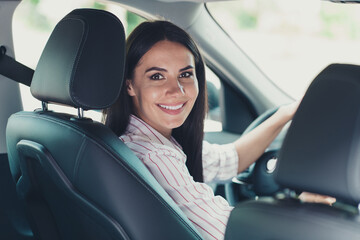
[258, 179]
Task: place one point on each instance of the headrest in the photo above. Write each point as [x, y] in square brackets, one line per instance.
[321, 151]
[82, 64]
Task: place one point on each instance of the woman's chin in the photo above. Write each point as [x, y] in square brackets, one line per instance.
[175, 123]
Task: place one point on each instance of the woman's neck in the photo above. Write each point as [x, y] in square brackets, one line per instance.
[167, 133]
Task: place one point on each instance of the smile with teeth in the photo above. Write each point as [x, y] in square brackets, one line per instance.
[171, 107]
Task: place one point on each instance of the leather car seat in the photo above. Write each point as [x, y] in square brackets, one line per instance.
[79, 181]
[320, 154]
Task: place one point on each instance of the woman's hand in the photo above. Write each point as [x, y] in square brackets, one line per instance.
[316, 198]
[252, 145]
[287, 111]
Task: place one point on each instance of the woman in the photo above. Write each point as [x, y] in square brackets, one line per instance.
[160, 117]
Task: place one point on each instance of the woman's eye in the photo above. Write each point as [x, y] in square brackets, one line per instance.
[156, 76]
[186, 74]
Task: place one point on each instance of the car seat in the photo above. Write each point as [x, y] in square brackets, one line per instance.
[79, 181]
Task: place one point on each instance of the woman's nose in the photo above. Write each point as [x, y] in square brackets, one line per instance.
[174, 87]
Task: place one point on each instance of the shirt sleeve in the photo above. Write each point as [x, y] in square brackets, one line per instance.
[207, 212]
[220, 162]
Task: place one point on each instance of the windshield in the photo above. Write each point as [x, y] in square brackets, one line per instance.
[292, 41]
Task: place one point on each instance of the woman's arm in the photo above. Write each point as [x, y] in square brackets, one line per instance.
[252, 145]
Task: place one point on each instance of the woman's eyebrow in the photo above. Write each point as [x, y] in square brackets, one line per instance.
[164, 70]
[186, 68]
[156, 69]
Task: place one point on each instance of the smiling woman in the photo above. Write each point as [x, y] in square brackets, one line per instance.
[142, 46]
[160, 116]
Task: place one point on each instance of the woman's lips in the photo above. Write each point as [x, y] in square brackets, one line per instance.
[173, 108]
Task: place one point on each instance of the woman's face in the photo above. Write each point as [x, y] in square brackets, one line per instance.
[164, 86]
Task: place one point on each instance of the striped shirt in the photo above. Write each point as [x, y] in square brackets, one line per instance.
[166, 161]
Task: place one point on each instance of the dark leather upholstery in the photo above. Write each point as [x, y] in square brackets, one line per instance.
[78, 179]
[320, 154]
[13, 223]
[83, 61]
[323, 141]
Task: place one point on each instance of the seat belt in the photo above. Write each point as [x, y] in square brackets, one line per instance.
[14, 70]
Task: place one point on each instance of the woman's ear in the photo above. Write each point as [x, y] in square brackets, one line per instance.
[130, 88]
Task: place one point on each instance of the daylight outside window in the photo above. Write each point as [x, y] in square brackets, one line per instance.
[292, 41]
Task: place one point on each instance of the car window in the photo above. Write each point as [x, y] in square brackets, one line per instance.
[32, 28]
[292, 41]
[213, 117]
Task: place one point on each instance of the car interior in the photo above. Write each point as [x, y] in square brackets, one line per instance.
[66, 176]
[302, 166]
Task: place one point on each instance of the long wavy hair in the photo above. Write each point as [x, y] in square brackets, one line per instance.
[191, 133]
